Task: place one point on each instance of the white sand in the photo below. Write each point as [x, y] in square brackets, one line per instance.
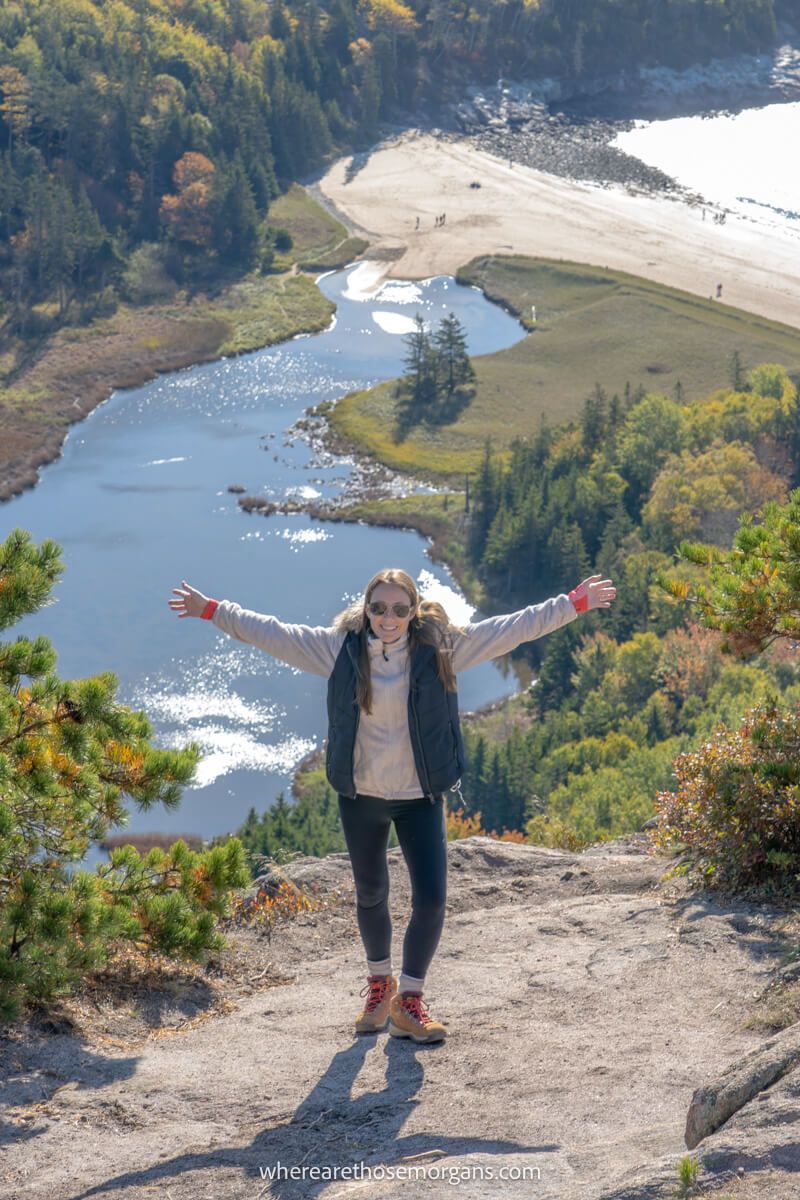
[518, 210]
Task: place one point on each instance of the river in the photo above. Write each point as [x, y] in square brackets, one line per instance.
[139, 501]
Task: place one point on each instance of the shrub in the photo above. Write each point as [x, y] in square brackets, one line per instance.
[146, 278]
[459, 825]
[283, 241]
[737, 808]
[463, 825]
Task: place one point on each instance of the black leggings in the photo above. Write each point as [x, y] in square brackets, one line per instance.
[422, 834]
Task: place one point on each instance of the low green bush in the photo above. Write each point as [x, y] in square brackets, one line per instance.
[736, 811]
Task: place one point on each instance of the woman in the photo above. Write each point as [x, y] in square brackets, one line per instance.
[394, 748]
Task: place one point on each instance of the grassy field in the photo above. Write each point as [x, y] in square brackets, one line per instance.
[320, 242]
[262, 311]
[592, 326]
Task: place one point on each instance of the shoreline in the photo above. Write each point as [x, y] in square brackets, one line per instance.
[381, 194]
[78, 368]
[493, 208]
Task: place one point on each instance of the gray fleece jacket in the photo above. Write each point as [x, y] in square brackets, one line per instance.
[384, 759]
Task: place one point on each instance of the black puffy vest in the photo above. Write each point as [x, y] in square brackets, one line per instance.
[432, 722]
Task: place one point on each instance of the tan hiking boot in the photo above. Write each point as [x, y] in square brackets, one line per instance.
[409, 1018]
[378, 991]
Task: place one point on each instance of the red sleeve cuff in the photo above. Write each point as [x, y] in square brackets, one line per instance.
[209, 610]
[580, 603]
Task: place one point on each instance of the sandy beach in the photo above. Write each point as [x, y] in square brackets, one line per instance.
[518, 210]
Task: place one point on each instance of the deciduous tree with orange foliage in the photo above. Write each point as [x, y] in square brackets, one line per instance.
[186, 214]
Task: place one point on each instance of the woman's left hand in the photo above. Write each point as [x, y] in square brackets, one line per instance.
[594, 592]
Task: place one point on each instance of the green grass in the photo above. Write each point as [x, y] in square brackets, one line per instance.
[336, 256]
[593, 326]
[360, 420]
[261, 311]
[319, 241]
[687, 1171]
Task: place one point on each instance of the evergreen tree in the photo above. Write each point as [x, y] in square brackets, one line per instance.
[553, 684]
[485, 499]
[236, 224]
[93, 248]
[454, 367]
[69, 754]
[416, 390]
[594, 422]
[737, 374]
[308, 824]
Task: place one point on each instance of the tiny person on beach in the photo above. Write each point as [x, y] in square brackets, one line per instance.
[394, 749]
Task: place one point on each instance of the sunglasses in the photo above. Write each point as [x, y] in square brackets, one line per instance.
[378, 607]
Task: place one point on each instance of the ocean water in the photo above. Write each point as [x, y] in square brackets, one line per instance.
[746, 162]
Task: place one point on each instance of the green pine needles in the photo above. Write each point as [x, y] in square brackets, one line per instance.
[437, 383]
[70, 755]
[751, 591]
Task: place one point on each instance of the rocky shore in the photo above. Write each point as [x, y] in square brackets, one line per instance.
[528, 132]
[564, 130]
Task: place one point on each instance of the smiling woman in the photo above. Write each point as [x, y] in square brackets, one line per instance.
[394, 748]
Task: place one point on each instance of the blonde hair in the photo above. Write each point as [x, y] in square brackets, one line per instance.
[430, 626]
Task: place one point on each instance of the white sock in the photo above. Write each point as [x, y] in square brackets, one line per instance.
[409, 984]
[380, 968]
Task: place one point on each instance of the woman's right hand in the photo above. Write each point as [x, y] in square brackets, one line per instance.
[189, 602]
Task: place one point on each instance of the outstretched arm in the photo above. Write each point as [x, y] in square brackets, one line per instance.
[310, 648]
[497, 635]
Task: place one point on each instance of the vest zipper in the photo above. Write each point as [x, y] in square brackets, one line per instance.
[355, 731]
[353, 755]
[427, 782]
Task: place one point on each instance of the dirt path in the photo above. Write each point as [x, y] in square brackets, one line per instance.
[517, 210]
[586, 1001]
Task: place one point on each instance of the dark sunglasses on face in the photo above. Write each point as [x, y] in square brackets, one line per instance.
[378, 608]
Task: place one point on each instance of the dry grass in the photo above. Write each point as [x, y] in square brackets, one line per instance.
[359, 420]
[597, 326]
[755, 1185]
[777, 1009]
[76, 369]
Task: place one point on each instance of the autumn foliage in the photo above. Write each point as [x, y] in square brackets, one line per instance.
[275, 901]
[463, 825]
[186, 215]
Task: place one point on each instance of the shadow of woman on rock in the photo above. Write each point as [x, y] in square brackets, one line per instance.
[328, 1131]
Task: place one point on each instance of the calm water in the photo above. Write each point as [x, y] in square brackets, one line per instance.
[139, 501]
[742, 161]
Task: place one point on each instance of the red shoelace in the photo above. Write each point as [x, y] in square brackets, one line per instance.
[413, 1004]
[375, 991]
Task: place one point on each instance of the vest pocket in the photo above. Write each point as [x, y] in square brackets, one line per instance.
[444, 749]
[429, 697]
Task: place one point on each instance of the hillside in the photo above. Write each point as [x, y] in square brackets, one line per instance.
[143, 143]
[587, 1000]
